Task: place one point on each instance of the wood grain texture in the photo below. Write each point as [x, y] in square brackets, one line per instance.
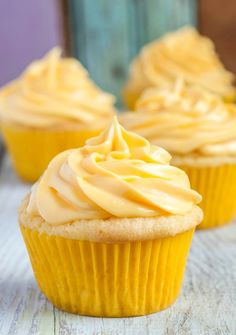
[101, 38]
[62, 9]
[217, 19]
[206, 306]
[163, 16]
[106, 35]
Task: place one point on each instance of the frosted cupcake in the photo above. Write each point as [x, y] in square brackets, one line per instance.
[199, 130]
[108, 227]
[182, 53]
[52, 107]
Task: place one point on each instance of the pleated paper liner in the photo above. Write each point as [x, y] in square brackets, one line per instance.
[112, 280]
[217, 185]
[32, 149]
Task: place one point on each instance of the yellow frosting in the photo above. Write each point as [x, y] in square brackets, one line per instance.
[54, 91]
[184, 53]
[117, 174]
[185, 119]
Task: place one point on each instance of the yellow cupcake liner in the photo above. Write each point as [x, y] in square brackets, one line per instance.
[32, 149]
[108, 279]
[217, 185]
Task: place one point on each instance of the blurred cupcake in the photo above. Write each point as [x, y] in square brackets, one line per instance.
[107, 221]
[182, 53]
[52, 107]
[199, 130]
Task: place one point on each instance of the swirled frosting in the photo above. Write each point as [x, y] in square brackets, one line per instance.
[55, 91]
[184, 53]
[117, 174]
[185, 119]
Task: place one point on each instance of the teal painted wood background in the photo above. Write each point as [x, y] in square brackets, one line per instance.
[107, 34]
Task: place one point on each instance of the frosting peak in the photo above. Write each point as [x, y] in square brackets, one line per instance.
[117, 174]
[184, 53]
[54, 91]
[185, 119]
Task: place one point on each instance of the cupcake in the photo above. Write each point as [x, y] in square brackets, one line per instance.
[199, 131]
[52, 107]
[108, 226]
[182, 53]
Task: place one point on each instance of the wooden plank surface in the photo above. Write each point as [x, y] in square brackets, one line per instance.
[106, 35]
[217, 19]
[206, 306]
[100, 39]
[163, 16]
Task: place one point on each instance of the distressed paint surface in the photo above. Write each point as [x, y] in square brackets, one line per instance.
[106, 35]
[206, 306]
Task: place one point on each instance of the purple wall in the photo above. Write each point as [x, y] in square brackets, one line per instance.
[28, 28]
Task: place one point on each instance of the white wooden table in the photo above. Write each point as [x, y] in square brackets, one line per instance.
[206, 306]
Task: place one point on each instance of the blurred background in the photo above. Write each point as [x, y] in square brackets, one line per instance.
[105, 35]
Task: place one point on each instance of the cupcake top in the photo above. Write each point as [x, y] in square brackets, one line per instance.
[53, 92]
[185, 119]
[184, 53]
[115, 175]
